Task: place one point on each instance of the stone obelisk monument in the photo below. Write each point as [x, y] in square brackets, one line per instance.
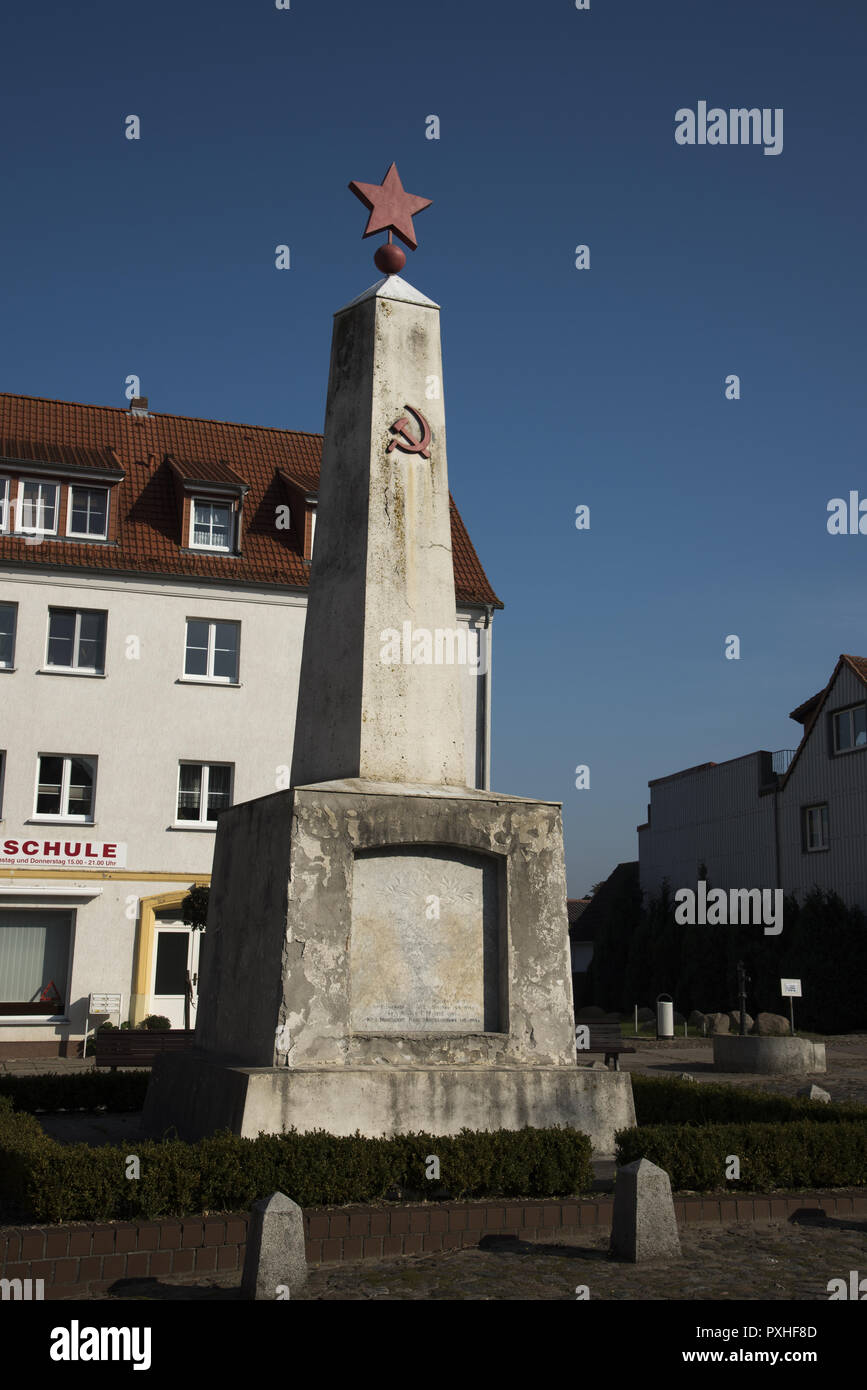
[387, 948]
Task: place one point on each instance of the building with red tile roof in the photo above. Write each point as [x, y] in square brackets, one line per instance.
[143, 456]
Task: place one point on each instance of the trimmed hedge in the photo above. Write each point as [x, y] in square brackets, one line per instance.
[74, 1182]
[800, 1154]
[666, 1101]
[82, 1090]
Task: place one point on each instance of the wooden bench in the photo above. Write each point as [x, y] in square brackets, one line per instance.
[605, 1038]
[127, 1048]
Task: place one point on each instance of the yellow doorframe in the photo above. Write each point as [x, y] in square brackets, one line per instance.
[145, 945]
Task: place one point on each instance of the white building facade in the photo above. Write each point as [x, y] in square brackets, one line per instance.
[152, 612]
[795, 819]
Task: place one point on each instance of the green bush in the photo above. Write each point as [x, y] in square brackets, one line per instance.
[800, 1154]
[22, 1140]
[666, 1101]
[120, 1090]
[74, 1182]
[156, 1023]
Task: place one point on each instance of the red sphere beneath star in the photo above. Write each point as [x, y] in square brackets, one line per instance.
[389, 259]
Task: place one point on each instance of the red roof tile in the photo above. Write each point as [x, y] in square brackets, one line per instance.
[207, 470]
[148, 533]
[35, 451]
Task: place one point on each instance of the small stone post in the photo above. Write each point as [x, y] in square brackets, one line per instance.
[644, 1225]
[275, 1264]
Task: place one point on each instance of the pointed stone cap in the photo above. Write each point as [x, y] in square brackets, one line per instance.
[392, 287]
[276, 1205]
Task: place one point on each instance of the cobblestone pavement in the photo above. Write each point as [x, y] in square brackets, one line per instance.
[845, 1079]
[772, 1261]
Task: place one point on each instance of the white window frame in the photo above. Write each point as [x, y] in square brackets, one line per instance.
[42, 484]
[850, 712]
[823, 826]
[86, 535]
[203, 501]
[51, 818]
[204, 769]
[50, 1020]
[5, 493]
[76, 670]
[209, 678]
[14, 607]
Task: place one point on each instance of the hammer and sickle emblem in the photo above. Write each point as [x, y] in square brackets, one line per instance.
[406, 443]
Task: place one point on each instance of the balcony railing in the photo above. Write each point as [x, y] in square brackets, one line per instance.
[781, 759]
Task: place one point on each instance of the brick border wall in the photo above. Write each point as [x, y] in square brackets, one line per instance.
[82, 1259]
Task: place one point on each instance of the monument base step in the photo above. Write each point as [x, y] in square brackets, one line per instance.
[195, 1096]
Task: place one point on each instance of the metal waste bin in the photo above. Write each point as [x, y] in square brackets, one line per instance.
[664, 1016]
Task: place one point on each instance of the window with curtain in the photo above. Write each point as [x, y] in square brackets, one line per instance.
[64, 787]
[211, 525]
[816, 828]
[850, 729]
[37, 507]
[34, 960]
[8, 615]
[204, 790]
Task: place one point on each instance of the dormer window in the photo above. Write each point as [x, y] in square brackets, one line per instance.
[212, 525]
[37, 507]
[87, 517]
[300, 508]
[4, 505]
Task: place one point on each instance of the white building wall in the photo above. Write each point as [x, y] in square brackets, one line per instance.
[713, 816]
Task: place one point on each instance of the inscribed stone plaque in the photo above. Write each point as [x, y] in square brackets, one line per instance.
[425, 941]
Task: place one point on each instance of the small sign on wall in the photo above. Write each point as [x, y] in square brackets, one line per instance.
[791, 987]
[104, 1004]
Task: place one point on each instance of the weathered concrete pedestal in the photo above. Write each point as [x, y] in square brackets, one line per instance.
[383, 1101]
[386, 959]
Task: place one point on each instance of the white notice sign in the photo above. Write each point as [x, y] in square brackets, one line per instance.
[104, 1004]
[792, 987]
[61, 851]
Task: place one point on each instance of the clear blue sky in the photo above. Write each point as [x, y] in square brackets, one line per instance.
[603, 386]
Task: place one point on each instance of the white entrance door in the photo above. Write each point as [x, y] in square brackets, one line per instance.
[176, 974]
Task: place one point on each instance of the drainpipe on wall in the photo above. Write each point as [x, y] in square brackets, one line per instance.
[485, 694]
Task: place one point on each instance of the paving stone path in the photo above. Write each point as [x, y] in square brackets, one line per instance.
[773, 1262]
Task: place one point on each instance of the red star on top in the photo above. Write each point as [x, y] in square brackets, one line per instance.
[391, 208]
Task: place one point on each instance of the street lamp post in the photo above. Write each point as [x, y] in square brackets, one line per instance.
[743, 981]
